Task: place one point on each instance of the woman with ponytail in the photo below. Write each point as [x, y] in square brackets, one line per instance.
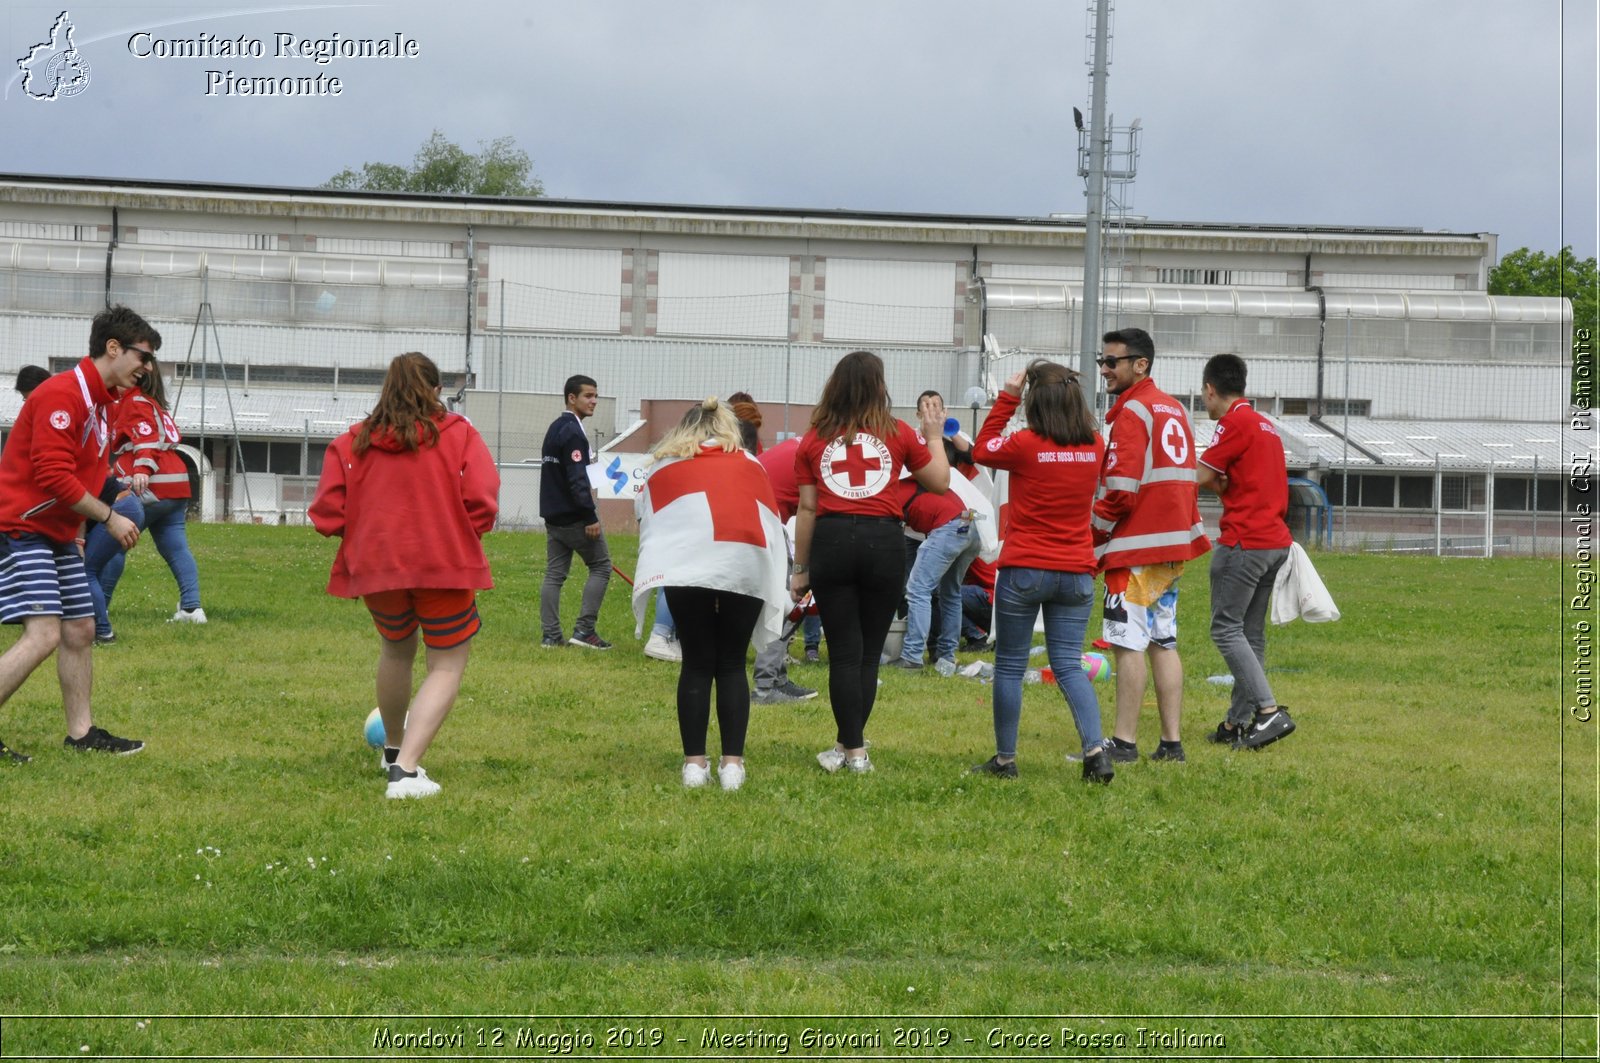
[410, 492]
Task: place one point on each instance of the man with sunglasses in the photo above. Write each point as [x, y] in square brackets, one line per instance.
[50, 469]
[1146, 525]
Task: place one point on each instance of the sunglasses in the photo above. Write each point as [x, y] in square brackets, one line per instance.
[1110, 361]
[144, 356]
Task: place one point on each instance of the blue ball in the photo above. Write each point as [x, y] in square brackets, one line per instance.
[373, 729]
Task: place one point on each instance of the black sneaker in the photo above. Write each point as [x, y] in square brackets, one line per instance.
[1122, 752]
[974, 645]
[108, 639]
[548, 643]
[1268, 730]
[589, 641]
[100, 740]
[1224, 735]
[812, 655]
[11, 755]
[904, 665]
[992, 766]
[1169, 751]
[1097, 766]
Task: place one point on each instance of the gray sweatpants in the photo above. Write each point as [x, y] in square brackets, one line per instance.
[1241, 593]
[560, 544]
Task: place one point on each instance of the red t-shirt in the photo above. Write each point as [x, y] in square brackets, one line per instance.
[926, 511]
[859, 476]
[1249, 452]
[1051, 496]
[779, 463]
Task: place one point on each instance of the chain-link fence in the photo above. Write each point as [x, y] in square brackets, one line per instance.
[1414, 434]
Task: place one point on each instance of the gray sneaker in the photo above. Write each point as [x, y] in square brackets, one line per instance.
[784, 692]
[1269, 730]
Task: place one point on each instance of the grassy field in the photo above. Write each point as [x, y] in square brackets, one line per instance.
[1387, 882]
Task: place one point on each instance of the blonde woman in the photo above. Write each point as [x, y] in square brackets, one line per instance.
[709, 533]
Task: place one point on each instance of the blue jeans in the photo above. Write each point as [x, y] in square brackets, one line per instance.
[941, 565]
[164, 520]
[99, 550]
[977, 612]
[663, 625]
[1067, 598]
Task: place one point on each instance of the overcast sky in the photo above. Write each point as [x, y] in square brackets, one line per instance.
[1439, 114]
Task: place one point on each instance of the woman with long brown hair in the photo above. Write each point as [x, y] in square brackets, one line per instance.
[1048, 560]
[410, 492]
[849, 543]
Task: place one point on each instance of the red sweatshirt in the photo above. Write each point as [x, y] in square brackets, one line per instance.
[1052, 493]
[56, 454]
[409, 520]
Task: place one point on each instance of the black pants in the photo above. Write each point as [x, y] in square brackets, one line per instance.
[714, 632]
[858, 573]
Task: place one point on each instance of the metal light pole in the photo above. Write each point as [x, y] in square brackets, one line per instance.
[1094, 214]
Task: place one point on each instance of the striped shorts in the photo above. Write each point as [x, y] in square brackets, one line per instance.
[41, 577]
[447, 618]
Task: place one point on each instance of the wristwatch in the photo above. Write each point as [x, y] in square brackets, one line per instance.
[798, 569]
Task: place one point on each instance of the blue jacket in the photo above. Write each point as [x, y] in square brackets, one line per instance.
[564, 495]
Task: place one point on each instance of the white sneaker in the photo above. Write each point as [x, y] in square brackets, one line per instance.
[663, 648]
[731, 776]
[695, 775]
[860, 765]
[831, 760]
[196, 615]
[414, 784]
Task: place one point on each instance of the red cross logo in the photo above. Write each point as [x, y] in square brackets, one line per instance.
[735, 508]
[857, 469]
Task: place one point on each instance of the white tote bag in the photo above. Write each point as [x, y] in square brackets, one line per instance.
[1299, 593]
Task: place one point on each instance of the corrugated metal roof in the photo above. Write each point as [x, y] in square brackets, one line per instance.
[1414, 445]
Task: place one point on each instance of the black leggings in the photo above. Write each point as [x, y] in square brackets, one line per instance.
[858, 574]
[714, 632]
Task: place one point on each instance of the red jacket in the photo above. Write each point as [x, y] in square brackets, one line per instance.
[56, 454]
[1052, 488]
[1148, 510]
[142, 438]
[409, 520]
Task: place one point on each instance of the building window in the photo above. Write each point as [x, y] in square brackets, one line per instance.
[1188, 275]
[281, 456]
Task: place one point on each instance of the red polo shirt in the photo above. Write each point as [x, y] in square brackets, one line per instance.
[1249, 452]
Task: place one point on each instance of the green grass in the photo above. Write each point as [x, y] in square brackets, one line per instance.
[1399, 856]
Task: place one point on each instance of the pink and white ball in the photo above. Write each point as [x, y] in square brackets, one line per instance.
[1096, 665]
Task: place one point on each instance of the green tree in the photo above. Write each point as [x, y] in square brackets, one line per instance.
[1526, 272]
[499, 168]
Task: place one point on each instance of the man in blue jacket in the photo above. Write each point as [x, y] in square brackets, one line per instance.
[571, 521]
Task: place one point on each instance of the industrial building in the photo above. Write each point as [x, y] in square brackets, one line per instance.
[1399, 383]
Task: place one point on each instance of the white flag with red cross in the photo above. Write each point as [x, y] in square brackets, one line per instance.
[712, 521]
